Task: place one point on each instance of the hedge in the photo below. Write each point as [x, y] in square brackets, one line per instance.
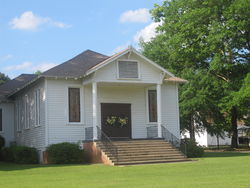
[65, 153]
[20, 154]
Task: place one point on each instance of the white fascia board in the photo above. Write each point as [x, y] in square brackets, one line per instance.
[104, 63]
[152, 63]
[130, 49]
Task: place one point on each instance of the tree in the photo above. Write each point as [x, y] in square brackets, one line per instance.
[38, 72]
[207, 42]
[3, 78]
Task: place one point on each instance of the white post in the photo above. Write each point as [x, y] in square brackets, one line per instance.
[159, 121]
[94, 103]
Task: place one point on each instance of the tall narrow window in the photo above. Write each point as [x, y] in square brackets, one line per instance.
[152, 105]
[1, 120]
[17, 116]
[74, 105]
[37, 107]
[27, 112]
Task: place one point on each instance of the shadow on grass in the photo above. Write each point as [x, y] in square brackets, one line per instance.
[225, 154]
[14, 167]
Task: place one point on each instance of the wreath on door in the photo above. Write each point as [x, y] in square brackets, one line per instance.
[116, 121]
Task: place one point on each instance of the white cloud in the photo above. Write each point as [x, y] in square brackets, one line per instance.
[147, 33]
[23, 66]
[29, 21]
[30, 67]
[44, 66]
[139, 15]
[6, 57]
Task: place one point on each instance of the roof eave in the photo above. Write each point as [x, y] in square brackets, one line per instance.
[24, 86]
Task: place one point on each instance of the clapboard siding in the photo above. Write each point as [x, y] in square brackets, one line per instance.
[59, 129]
[34, 136]
[7, 122]
[170, 108]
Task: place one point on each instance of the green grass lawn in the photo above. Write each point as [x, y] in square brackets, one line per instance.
[214, 170]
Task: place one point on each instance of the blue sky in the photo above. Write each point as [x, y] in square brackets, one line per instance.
[37, 35]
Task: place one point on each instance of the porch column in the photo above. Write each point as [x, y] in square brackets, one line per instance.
[159, 120]
[94, 108]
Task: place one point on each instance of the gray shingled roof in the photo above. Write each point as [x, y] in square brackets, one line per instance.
[15, 84]
[77, 66]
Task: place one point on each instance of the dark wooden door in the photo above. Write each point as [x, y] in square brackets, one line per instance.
[119, 126]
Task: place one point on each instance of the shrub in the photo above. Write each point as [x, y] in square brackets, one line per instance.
[65, 153]
[192, 149]
[20, 154]
[7, 155]
[2, 142]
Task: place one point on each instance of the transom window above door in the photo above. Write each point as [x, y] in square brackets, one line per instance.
[128, 69]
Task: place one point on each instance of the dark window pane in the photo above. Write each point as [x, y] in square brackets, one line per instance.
[152, 105]
[74, 105]
[1, 120]
[128, 69]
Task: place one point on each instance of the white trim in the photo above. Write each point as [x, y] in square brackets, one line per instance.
[26, 112]
[131, 49]
[37, 100]
[46, 112]
[177, 109]
[148, 123]
[152, 63]
[81, 105]
[94, 108]
[128, 81]
[138, 69]
[159, 118]
[104, 63]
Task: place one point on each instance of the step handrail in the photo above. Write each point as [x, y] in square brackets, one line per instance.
[108, 144]
[171, 138]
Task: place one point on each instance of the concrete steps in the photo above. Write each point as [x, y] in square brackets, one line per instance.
[132, 152]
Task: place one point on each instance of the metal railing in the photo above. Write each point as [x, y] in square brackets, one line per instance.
[107, 143]
[171, 138]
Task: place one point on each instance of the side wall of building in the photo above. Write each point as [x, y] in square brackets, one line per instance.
[59, 127]
[30, 125]
[7, 122]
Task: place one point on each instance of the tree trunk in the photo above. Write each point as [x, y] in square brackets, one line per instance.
[191, 128]
[234, 143]
[218, 144]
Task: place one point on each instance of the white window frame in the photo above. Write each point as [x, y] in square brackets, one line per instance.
[20, 115]
[138, 67]
[37, 100]
[27, 112]
[147, 106]
[81, 123]
[18, 122]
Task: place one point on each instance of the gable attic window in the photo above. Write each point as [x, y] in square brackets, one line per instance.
[74, 105]
[128, 69]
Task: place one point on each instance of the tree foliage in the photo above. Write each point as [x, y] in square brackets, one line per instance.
[3, 78]
[208, 43]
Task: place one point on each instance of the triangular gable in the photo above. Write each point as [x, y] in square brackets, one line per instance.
[128, 50]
